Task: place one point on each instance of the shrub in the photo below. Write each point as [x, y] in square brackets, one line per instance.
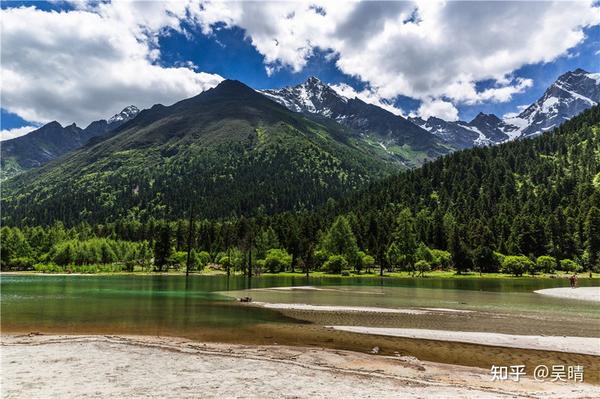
[568, 265]
[47, 268]
[367, 262]
[516, 265]
[546, 264]
[260, 265]
[422, 266]
[178, 259]
[22, 263]
[424, 253]
[335, 264]
[441, 259]
[320, 257]
[203, 259]
[226, 262]
[277, 260]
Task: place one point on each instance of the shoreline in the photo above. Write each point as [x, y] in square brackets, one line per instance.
[591, 294]
[577, 345]
[317, 274]
[129, 366]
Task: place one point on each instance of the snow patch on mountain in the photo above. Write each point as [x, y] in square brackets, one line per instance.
[125, 115]
[572, 93]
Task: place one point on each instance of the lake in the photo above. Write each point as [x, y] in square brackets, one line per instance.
[157, 304]
[204, 308]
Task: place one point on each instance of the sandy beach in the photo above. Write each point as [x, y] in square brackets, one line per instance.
[581, 293]
[84, 366]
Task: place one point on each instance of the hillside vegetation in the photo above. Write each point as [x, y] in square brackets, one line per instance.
[230, 151]
[525, 206]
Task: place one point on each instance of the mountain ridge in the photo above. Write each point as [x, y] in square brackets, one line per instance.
[230, 149]
[395, 134]
[52, 141]
[568, 96]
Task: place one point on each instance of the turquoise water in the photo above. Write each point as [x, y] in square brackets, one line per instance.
[155, 304]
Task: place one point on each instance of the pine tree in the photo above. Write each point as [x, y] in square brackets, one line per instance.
[340, 240]
[162, 246]
[405, 237]
[592, 235]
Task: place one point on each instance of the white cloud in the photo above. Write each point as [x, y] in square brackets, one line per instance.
[438, 108]
[367, 96]
[89, 63]
[465, 92]
[520, 108]
[424, 49]
[7, 134]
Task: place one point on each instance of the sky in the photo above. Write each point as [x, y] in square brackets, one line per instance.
[80, 61]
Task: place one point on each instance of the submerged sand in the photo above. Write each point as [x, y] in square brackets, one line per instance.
[158, 367]
[332, 308]
[581, 293]
[582, 345]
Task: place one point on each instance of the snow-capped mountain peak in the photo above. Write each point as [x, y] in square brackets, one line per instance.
[312, 96]
[126, 114]
[366, 122]
[572, 93]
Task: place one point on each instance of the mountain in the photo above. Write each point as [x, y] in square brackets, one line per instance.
[531, 197]
[389, 133]
[229, 150]
[484, 129]
[125, 115]
[52, 141]
[571, 94]
[458, 135]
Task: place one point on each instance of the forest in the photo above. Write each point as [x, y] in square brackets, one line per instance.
[528, 206]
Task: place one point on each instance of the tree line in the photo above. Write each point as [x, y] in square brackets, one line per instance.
[522, 207]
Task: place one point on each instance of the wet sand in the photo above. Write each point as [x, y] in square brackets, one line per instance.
[328, 308]
[581, 293]
[84, 366]
[435, 319]
[582, 345]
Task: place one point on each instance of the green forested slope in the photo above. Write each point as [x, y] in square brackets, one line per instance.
[532, 197]
[528, 197]
[230, 150]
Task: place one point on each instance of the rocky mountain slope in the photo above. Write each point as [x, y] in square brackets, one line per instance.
[571, 94]
[389, 133]
[53, 140]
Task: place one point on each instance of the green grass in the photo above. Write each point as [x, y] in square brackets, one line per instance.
[449, 274]
[435, 274]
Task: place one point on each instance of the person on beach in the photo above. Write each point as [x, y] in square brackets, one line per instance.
[573, 280]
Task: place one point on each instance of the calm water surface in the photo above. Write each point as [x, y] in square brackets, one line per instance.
[156, 303]
[203, 308]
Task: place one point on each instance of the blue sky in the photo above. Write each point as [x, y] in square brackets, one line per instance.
[229, 55]
[179, 52]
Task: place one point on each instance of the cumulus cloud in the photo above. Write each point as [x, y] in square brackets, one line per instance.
[520, 108]
[88, 63]
[465, 92]
[425, 49]
[367, 96]
[92, 61]
[7, 134]
[439, 108]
